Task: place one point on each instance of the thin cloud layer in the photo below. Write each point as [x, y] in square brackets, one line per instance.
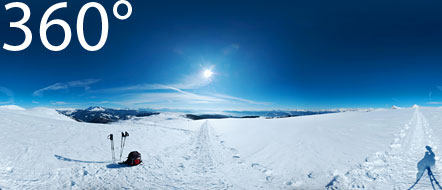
[172, 96]
[240, 99]
[66, 85]
[190, 92]
[435, 103]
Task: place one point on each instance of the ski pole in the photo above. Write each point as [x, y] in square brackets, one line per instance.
[123, 142]
[121, 145]
[432, 178]
[111, 138]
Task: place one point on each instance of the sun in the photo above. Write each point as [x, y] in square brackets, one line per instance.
[207, 74]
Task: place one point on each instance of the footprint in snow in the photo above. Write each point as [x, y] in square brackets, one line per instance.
[186, 157]
[235, 153]
[181, 166]
[264, 170]
[355, 185]
[293, 183]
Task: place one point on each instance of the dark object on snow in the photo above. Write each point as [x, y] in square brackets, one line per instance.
[425, 164]
[133, 159]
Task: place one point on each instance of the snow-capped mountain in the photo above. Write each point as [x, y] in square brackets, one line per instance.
[103, 115]
[395, 107]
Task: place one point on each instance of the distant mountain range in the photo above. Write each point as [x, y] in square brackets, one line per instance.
[278, 114]
[256, 114]
[104, 115]
[109, 115]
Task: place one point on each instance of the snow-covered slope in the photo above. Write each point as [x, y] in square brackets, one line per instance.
[396, 167]
[12, 107]
[41, 149]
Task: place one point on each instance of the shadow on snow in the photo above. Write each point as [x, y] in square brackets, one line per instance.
[116, 166]
[111, 166]
[80, 161]
[425, 164]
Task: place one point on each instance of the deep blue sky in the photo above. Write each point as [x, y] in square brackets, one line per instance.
[265, 55]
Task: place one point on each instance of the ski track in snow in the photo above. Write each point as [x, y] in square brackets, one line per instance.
[396, 168]
[200, 161]
[208, 164]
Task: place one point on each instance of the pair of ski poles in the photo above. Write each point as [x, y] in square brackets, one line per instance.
[433, 179]
[123, 143]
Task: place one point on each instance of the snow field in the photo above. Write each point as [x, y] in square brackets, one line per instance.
[41, 149]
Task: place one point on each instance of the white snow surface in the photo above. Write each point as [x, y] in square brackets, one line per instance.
[41, 149]
[12, 107]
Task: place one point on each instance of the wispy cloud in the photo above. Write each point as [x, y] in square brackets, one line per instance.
[58, 103]
[190, 91]
[189, 82]
[170, 96]
[66, 85]
[232, 48]
[434, 103]
[240, 99]
[195, 81]
[8, 94]
[138, 87]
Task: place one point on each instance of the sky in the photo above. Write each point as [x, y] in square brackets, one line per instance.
[263, 54]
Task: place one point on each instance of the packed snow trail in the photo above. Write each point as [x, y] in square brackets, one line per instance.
[199, 166]
[394, 169]
[40, 152]
[206, 163]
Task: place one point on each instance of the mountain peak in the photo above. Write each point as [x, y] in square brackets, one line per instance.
[96, 108]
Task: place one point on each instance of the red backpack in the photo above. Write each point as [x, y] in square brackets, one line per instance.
[133, 159]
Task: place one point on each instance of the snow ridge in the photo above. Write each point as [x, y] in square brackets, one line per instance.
[12, 107]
